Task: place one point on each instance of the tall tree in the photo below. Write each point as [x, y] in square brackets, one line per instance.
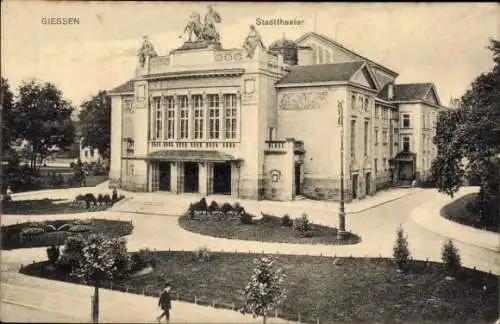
[468, 139]
[7, 100]
[95, 123]
[42, 117]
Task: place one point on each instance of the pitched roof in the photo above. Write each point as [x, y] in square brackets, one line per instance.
[321, 72]
[406, 92]
[125, 87]
[337, 44]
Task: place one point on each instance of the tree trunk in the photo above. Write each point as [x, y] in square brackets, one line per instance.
[264, 319]
[95, 310]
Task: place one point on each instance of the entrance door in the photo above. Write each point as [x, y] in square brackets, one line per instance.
[354, 186]
[164, 176]
[297, 179]
[367, 184]
[222, 178]
[191, 172]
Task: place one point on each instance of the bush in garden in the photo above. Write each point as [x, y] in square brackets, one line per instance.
[226, 207]
[401, 252]
[80, 228]
[246, 219]
[114, 196]
[118, 249]
[142, 259]
[213, 207]
[107, 199]
[451, 257]
[286, 221]
[49, 228]
[89, 198]
[238, 208]
[64, 227]
[302, 224]
[53, 254]
[72, 252]
[202, 205]
[265, 291]
[202, 254]
[29, 231]
[100, 199]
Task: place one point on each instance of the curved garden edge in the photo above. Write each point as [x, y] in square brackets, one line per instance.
[428, 216]
[268, 229]
[374, 278]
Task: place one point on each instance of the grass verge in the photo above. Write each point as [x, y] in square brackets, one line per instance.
[463, 212]
[267, 229]
[43, 207]
[344, 290]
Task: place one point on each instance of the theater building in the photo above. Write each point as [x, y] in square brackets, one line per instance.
[266, 122]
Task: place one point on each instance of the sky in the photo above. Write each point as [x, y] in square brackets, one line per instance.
[443, 43]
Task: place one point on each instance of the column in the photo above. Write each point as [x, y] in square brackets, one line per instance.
[174, 177]
[151, 118]
[177, 129]
[222, 109]
[191, 117]
[238, 115]
[205, 116]
[289, 171]
[164, 110]
[150, 176]
[203, 183]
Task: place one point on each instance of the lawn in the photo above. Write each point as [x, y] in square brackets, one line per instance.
[42, 207]
[11, 234]
[335, 290]
[267, 229]
[463, 211]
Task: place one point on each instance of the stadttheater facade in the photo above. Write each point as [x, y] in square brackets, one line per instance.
[265, 122]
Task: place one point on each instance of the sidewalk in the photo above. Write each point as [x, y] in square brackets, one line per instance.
[428, 215]
[160, 203]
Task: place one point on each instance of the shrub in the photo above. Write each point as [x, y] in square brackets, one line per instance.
[49, 228]
[122, 259]
[302, 224]
[28, 231]
[53, 254]
[114, 196]
[226, 207]
[72, 165]
[202, 254]
[286, 221]
[238, 208]
[202, 206]
[107, 199]
[89, 198]
[213, 207]
[246, 219]
[64, 227]
[72, 253]
[451, 257]
[80, 228]
[401, 252]
[100, 199]
[142, 259]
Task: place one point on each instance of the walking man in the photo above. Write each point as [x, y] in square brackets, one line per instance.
[165, 303]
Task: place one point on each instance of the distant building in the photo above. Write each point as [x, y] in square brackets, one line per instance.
[266, 124]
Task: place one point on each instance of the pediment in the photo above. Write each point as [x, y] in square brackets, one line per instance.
[364, 77]
[432, 97]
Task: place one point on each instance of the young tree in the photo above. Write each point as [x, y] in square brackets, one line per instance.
[401, 252]
[468, 139]
[451, 257]
[95, 123]
[6, 98]
[42, 117]
[265, 290]
[102, 259]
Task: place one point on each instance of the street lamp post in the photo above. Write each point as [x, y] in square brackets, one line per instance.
[341, 231]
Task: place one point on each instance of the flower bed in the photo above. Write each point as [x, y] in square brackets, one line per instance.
[50, 233]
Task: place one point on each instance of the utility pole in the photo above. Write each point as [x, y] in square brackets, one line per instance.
[341, 231]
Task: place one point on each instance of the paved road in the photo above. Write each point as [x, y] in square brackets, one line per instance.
[377, 227]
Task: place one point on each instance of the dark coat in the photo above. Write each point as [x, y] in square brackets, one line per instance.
[165, 300]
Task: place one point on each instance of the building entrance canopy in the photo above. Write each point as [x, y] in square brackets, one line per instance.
[190, 155]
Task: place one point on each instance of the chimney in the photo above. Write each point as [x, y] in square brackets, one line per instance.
[390, 91]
